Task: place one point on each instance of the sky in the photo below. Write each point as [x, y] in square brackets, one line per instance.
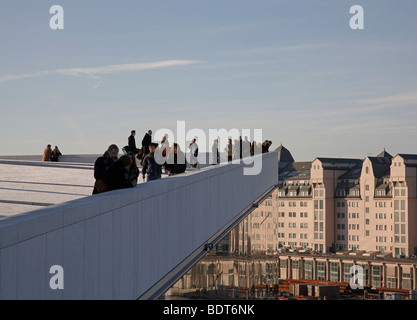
[292, 68]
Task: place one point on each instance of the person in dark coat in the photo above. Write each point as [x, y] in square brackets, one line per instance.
[266, 145]
[117, 174]
[150, 167]
[132, 173]
[252, 148]
[240, 147]
[246, 147]
[229, 150]
[55, 154]
[146, 141]
[176, 162]
[102, 166]
[131, 147]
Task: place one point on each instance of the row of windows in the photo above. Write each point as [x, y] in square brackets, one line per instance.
[397, 192]
[293, 235]
[318, 204]
[352, 215]
[292, 204]
[293, 214]
[353, 237]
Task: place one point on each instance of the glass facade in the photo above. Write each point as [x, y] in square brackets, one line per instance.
[246, 264]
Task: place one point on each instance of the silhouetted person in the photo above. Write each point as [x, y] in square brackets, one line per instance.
[240, 147]
[146, 141]
[55, 154]
[150, 167]
[245, 147]
[252, 148]
[117, 174]
[131, 147]
[132, 173]
[265, 146]
[176, 162]
[102, 167]
[229, 150]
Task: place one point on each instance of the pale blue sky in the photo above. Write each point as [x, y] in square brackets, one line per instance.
[291, 68]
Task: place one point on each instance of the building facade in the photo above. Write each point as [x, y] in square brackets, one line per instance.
[335, 204]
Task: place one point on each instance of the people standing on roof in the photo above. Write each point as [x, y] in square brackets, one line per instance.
[176, 162]
[47, 153]
[265, 146]
[260, 147]
[193, 147]
[150, 167]
[240, 147]
[117, 174]
[229, 150]
[246, 148]
[215, 152]
[102, 167]
[165, 149]
[55, 154]
[131, 143]
[132, 173]
[253, 145]
[236, 149]
[146, 141]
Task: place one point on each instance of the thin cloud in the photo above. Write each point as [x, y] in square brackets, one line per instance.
[384, 102]
[97, 72]
[360, 106]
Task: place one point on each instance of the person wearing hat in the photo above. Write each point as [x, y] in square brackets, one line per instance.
[150, 167]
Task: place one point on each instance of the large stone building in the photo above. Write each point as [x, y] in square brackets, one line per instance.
[337, 204]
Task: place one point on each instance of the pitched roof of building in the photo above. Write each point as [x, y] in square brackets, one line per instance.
[338, 160]
[353, 173]
[380, 166]
[384, 154]
[408, 156]
[295, 170]
[284, 155]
